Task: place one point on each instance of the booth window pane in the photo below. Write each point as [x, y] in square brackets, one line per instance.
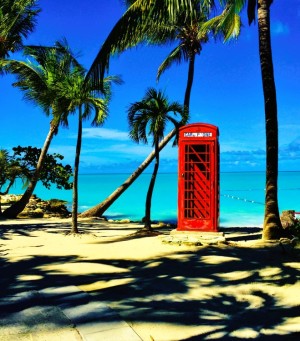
[197, 181]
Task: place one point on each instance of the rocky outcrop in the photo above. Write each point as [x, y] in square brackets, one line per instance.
[38, 208]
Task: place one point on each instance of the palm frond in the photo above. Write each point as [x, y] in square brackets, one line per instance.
[17, 21]
[143, 22]
[228, 23]
[176, 55]
[149, 116]
[29, 79]
[251, 10]
[232, 27]
[125, 34]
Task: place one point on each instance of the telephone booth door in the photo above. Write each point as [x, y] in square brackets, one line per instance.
[198, 185]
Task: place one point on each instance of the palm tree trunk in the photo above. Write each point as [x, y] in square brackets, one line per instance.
[147, 218]
[74, 228]
[18, 207]
[98, 210]
[272, 228]
[11, 182]
[190, 80]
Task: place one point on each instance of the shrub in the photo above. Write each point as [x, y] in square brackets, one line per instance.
[290, 223]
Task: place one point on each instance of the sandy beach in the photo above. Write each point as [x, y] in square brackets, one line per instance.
[165, 289]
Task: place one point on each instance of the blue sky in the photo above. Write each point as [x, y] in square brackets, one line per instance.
[227, 91]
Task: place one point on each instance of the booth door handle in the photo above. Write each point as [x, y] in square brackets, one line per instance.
[182, 175]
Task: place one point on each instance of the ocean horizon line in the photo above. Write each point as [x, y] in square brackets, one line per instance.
[222, 172]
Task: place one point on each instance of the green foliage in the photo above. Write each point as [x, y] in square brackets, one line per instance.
[295, 229]
[22, 164]
[3, 166]
[17, 21]
[9, 171]
[159, 22]
[56, 202]
[53, 172]
[150, 116]
[290, 222]
[56, 205]
[41, 76]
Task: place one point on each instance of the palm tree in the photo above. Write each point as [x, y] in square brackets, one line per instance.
[85, 98]
[17, 21]
[9, 171]
[133, 28]
[272, 227]
[137, 20]
[158, 23]
[191, 37]
[149, 117]
[38, 80]
[4, 171]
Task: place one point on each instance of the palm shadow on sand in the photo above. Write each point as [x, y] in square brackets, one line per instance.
[220, 292]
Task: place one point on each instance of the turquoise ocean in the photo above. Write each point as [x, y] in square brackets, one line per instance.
[241, 196]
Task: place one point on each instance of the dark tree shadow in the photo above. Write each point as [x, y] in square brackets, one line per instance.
[228, 284]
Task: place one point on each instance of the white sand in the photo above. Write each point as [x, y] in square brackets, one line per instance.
[244, 289]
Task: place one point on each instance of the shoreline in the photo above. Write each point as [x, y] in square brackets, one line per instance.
[226, 220]
[238, 205]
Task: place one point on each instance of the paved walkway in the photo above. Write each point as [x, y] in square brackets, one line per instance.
[65, 313]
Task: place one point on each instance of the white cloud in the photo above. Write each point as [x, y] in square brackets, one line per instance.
[240, 146]
[119, 149]
[105, 134]
[110, 150]
[103, 149]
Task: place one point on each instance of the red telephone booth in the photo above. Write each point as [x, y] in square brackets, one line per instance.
[198, 184]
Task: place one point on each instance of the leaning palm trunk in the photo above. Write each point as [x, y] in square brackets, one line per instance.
[18, 207]
[75, 180]
[98, 210]
[272, 228]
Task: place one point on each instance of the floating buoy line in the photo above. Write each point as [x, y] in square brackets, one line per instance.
[241, 199]
[234, 197]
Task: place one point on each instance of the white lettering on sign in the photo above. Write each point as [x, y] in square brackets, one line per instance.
[198, 134]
